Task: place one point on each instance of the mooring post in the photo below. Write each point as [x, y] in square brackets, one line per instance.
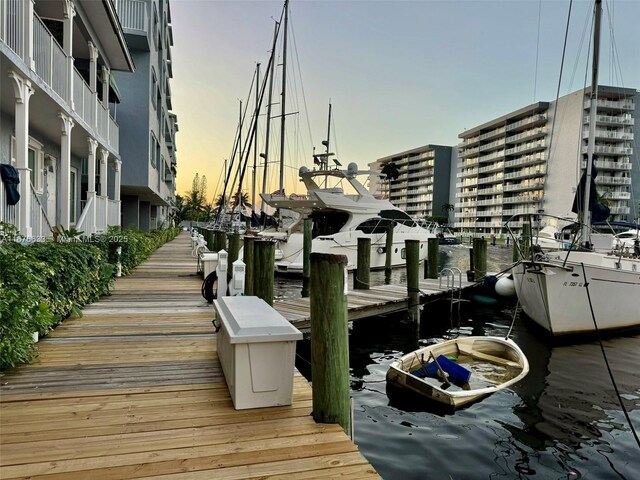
[479, 258]
[363, 267]
[264, 252]
[306, 252]
[412, 249]
[247, 258]
[433, 253]
[388, 250]
[219, 240]
[330, 341]
[234, 251]
[208, 236]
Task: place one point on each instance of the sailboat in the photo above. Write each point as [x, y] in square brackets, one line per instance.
[582, 290]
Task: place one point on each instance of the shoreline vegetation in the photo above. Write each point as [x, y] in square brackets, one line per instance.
[43, 283]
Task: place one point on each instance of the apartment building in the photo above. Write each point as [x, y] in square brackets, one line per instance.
[56, 132]
[526, 161]
[422, 187]
[148, 127]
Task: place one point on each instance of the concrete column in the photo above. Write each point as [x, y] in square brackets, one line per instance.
[69, 13]
[116, 189]
[64, 199]
[104, 157]
[105, 86]
[91, 188]
[23, 91]
[28, 32]
[93, 66]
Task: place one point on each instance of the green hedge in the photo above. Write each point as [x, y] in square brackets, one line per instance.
[43, 283]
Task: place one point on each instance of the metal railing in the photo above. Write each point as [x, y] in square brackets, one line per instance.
[49, 58]
[8, 213]
[12, 22]
[133, 14]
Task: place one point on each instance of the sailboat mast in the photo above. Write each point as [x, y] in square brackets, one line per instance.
[284, 94]
[326, 144]
[255, 135]
[265, 155]
[586, 213]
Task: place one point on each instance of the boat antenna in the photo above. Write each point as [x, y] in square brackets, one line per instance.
[586, 212]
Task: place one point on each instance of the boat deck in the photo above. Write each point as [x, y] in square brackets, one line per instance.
[134, 389]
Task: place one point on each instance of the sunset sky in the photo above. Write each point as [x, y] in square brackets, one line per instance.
[399, 74]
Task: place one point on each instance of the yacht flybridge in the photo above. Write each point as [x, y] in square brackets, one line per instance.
[339, 219]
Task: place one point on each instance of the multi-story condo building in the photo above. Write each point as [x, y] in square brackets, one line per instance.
[148, 127]
[524, 162]
[56, 132]
[422, 187]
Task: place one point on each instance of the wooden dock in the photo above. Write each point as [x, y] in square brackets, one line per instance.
[134, 389]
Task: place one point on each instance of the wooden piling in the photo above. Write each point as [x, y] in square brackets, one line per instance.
[479, 258]
[388, 252]
[219, 240]
[329, 341]
[264, 252]
[412, 249]
[306, 252]
[363, 266]
[234, 251]
[433, 254]
[208, 237]
[247, 258]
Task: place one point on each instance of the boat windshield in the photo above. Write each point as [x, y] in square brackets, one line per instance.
[398, 216]
[374, 225]
[328, 222]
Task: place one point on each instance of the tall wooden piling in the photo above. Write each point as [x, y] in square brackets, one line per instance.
[363, 267]
[219, 240]
[412, 249]
[247, 258]
[306, 252]
[207, 233]
[264, 260]
[234, 251]
[479, 258]
[388, 253]
[329, 341]
[433, 255]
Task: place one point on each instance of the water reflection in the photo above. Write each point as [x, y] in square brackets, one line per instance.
[562, 421]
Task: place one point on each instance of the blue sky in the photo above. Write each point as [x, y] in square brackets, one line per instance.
[400, 74]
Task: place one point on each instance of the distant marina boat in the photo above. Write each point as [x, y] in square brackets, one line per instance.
[339, 219]
[460, 371]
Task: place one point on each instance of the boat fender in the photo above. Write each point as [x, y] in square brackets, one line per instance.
[207, 290]
[505, 286]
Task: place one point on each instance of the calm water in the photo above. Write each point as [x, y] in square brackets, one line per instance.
[562, 421]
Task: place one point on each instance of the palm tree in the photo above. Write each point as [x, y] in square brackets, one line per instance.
[448, 208]
[390, 170]
[244, 200]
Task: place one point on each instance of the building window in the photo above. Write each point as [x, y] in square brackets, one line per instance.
[152, 150]
[154, 88]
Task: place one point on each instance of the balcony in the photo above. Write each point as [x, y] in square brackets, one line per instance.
[522, 199]
[467, 152]
[493, 133]
[467, 173]
[527, 135]
[492, 146]
[606, 165]
[526, 160]
[527, 147]
[467, 194]
[496, 167]
[539, 119]
[489, 213]
[609, 134]
[519, 211]
[515, 187]
[489, 191]
[613, 195]
[606, 150]
[492, 179]
[492, 156]
[492, 201]
[609, 180]
[625, 119]
[469, 182]
[617, 105]
[620, 210]
[526, 173]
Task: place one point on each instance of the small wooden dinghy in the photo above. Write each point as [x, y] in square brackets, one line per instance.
[460, 371]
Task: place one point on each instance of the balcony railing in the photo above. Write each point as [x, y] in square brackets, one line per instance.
[7, 212]
[613, 104]
[608, 180]
[613, 119]
[609, 134]
[132, 14]
[618, 195]
[51, 62]
[605, 165]
[620, 210]
[601, 149]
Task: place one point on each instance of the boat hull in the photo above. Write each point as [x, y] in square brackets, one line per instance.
[556, 299]
[346, 243]
[486, 349]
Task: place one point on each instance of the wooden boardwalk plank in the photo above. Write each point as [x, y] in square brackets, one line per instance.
[134, 389]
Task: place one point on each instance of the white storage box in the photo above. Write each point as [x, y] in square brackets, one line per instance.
[256, 348]
[208, 262]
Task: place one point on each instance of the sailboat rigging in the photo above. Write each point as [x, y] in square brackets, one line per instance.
[551, 286]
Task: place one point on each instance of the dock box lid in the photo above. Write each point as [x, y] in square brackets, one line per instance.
[252, 320]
